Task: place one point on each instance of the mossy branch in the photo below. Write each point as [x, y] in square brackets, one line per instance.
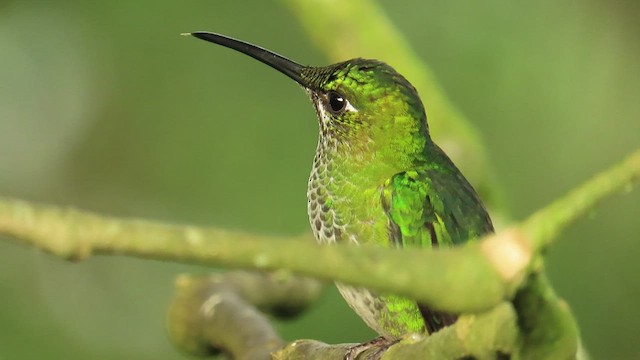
[495, 333]
[470, 278]
[219, 312]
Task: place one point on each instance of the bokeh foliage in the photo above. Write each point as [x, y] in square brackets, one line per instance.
[103, 106]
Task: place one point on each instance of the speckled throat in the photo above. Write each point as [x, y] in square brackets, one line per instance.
[343, 192]
[327, 225]
[337, 217]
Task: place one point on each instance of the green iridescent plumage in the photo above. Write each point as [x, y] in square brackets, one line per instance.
[386, 183]
[377, 176]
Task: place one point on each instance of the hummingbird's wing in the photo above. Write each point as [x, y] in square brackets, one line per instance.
[433, 207]
[429, 208]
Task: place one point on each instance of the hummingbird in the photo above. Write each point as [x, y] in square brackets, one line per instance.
[377, 177]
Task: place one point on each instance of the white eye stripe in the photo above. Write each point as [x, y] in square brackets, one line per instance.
[350, 107]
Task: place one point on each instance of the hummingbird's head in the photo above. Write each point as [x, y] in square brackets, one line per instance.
[366, 104]
[366, 109]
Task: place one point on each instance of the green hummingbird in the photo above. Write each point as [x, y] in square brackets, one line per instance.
[378, 177]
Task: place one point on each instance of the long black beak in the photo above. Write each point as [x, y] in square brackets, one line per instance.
[278, 62]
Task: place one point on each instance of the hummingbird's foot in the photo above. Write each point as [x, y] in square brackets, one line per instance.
[381, 343]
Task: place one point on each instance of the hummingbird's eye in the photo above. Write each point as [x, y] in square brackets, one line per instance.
[337, 103]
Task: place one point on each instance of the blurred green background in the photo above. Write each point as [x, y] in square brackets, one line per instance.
[104, 106]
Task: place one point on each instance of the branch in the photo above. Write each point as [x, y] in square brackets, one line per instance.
[546, 224]
[470, 278]
[547, 327]
[217, 313]
[483, 336]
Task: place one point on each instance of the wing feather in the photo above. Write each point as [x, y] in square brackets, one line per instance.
[432, 208]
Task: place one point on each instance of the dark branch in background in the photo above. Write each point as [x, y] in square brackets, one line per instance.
[546, 325]
[218, 313]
